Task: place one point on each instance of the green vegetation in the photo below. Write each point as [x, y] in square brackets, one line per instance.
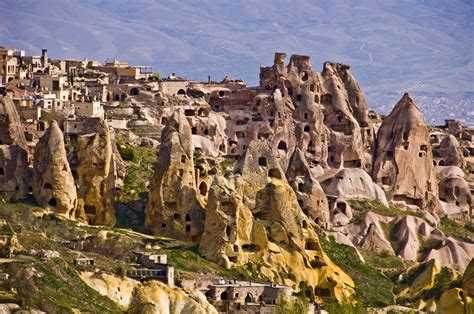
[56, 287]
[186, 259]
[226, 166]
[373, 289]
[139, 163]
[361, 206]
[457, 231]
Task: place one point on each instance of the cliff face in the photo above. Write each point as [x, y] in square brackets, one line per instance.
[53, 183]
[174, 208]
[403, 161]
[254, 218]
[14, 183]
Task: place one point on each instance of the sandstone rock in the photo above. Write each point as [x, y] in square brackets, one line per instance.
[53, 183]
[14, 176]
[174, 206]
[450, 153]
[452, 252]
[354, 183]
[448, 171]
[468, 279]
[254, 217]
[403, 163]
[155, 297]
[93, 166]
[455, 194]
[309, 193]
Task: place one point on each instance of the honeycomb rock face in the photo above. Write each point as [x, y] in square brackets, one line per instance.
[255, 218]
[53, 183]
[93, 164]
[403, 163]
[174, 206]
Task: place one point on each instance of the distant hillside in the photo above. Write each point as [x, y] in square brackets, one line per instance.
[393, 46]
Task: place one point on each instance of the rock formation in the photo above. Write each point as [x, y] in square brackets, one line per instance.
[254, 217]
[53, 183]
[174, 207]
[92, 162]
[354, 183]
[309, 193]
[403, 162]
[14, 182]
[449, 152]
[456, 198]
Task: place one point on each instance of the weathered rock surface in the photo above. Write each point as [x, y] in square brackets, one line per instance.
[449, 152]
[14, 176]
[92, 162]
[254, 218]
[309, 193]
[174, 207]
[403, 162]
[354, 183]
[53, 183]
[151, 297]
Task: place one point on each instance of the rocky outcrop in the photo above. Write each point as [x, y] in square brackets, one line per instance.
[14, 176]
[92, 161]
[449, 152]
[174, 207]
[354, 183]
[254, 217]
[150, 297]
[53, 183]
[403, 162]
[456, 197]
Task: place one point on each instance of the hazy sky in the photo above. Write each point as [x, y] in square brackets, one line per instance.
[392, 45]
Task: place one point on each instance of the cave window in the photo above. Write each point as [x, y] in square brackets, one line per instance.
[316, 99]
[311, 87]
[424, 148]
[134, 91]
[262, 161]
[221, 93]
[52, 202]
[47, 186]
[117, 97]
[274, 173]
[282, 145]
[203, 188]
[306, 128]
[301, 187]
[183, 158]
[189, 112]
[2, 172]
[326, 99]
[227, 231]
[176, 216]
[341, 205]
[224, 296]
[300, 203]
[188, 217]
[305, 224]
[163, 225]
[206, 131]
[389, 154]
[236, 248]
[180, 172]
[89, 209]
[298, 97]
[304, 76]
[194, 130]
[322, 292]
[312, 246]
[123, 96]
[188, 228]
[181, 92]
